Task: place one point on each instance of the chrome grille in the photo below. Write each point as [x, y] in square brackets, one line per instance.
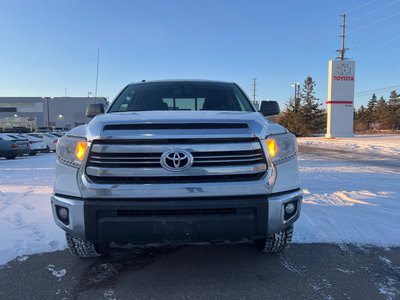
[138, 162]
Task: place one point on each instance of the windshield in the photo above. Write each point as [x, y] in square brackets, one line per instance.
[175, 96]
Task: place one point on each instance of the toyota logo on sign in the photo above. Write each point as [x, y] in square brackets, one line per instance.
[343, 69]
[176, 160]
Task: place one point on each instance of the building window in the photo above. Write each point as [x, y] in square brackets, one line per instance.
[8, 109]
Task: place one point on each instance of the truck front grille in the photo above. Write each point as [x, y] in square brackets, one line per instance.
[139, 162]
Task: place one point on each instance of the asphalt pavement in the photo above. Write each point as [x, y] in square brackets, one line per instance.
[305, 271]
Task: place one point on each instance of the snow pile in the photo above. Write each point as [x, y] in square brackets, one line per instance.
[369, 144]
[26, 222]
[348, 202]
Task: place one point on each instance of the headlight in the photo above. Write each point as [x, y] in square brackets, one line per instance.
[71, 151]
[281, 147]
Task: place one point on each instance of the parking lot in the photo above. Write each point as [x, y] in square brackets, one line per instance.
[305, 271]
[346, 243]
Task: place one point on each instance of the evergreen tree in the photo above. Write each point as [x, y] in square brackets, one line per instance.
[394, 110]
[361, 119]
[382, 118]
[309, 118]
[291, 118]
[371, 106]
[312, 113]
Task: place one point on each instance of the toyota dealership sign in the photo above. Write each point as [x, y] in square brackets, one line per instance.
[341, 79]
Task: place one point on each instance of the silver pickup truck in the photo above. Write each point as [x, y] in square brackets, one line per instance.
[177, 162]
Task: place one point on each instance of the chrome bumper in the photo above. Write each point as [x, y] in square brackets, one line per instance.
[76, 225]
[276, 211]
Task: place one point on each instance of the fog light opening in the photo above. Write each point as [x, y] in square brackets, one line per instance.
[63, 214]
[290, 210]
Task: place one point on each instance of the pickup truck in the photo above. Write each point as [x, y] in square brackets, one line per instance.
[177, 162]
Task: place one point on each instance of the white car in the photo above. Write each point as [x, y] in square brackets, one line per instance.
[36, 144]
[49, 139]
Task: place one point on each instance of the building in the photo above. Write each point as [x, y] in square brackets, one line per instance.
[36, 112]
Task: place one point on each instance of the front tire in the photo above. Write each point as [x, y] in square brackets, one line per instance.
[275, 243]
[82, 248]
[11, 157]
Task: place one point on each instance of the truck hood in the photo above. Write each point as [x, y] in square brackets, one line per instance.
[101, 125]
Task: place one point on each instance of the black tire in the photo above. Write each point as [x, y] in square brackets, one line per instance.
[32, 153]
[11, 157]
[275, 243]
[47, 150]
[82, 248]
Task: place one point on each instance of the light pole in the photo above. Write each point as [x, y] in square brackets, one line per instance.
[48, 110]
[296, 96]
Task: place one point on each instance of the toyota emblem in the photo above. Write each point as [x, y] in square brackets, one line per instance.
[176, 160]
[343, 69]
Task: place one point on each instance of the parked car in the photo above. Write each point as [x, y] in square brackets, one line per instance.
[177, 162]
[21, 141]
[58, 133]
[10, 147]
[49, 139]
[43, 129]
[36, 144]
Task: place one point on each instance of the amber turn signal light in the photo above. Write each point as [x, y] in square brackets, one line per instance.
[80, 150]
[272, 148]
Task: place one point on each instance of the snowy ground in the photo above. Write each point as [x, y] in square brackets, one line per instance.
[26, 222]
[381, 144]
[352, 196]
[348, 203]
[345, 201]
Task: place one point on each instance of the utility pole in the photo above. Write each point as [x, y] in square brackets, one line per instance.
[342, 51]
[97, 75]
[254, 90]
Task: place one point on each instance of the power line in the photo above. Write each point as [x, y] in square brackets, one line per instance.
[361, 6]
[363, 41]
[371, 12]
[392, 39]
[373, 23]
[394, 49]
[362, 93]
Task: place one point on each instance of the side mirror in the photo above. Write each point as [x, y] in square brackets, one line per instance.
[93, 110]
[269, 108]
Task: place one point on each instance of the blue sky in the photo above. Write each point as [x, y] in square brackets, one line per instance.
[49, 46]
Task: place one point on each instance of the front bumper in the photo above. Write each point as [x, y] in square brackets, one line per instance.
[181, 220]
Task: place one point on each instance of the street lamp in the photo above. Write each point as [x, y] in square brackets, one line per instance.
[48, 110]
[296, 96]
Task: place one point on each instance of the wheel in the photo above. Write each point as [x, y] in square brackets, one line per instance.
[47, 150]
[82, 248]
[10, 157]
[275, 243]
[32, 153]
